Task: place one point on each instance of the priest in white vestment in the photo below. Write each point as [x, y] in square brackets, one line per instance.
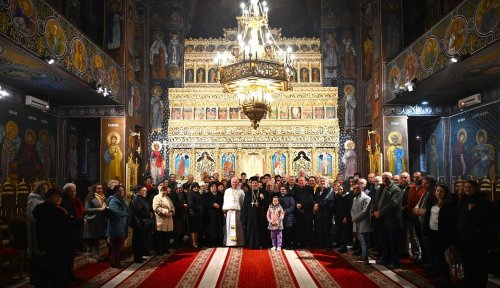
[233, 201]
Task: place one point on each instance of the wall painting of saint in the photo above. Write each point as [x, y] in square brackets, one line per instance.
[182, 165]
[228, 163]
[279, 164]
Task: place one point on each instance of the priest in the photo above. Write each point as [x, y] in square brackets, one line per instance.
[251, 214]
[233, 202]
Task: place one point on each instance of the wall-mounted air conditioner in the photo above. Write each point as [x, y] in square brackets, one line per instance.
[36, 103]
[469, 101]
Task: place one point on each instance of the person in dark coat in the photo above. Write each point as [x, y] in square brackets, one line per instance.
[323, 209]
[215, 217]
[475, 234]
[53, 237]
[387, 210]
[304, 213]
[342, 211]
[439, 223]
[288, 204]
[196, 213]
[141, 221]
[180, 219]
[75, 210]
[251, 214]
[117, 224]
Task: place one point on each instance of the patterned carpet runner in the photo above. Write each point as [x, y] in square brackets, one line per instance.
[239, 267]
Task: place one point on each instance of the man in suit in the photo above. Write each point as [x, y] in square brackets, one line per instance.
[386, 209]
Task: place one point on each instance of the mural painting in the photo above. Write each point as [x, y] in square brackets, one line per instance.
[158, 57]
[349, 107]
[278, 164]
[432, 135]
[112, 149]
[156, 162]
[182, 165]
[79, 55]
[228, 163]
[487, 16]
[455, 36]
[430, 53]
[325, 163]
[474, 145]
[55, 37]
[156, 108]
[27, 141]
[24, 16]
[396, 144]
[350, 159]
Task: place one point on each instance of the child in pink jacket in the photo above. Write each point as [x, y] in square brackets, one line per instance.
[275, 215]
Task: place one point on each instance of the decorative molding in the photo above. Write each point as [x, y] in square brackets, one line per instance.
[413, 110]
[101, 111]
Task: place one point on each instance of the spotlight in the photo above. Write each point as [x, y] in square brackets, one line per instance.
[410, 85]
[100, 89]
[3, 92]
[106, 92]
[425, 103]
[457, 57]
[49, 60]
[417, 137]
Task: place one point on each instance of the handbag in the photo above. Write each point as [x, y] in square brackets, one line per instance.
[452, 255]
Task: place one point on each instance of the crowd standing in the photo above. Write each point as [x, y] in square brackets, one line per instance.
[386, 217]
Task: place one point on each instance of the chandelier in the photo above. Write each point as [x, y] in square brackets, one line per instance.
[260, 68]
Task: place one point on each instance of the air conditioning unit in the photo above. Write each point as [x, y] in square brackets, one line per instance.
[36, 103]
[469, 101]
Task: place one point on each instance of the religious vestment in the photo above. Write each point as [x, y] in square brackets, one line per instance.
[233, 201]
[251, 218]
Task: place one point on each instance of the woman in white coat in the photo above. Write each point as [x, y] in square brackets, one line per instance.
[164, 211]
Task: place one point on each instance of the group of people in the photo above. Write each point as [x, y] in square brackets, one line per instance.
[388, 215]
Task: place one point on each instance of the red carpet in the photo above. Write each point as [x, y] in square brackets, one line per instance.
[96, 274]
[256, 269]
[239, 267]
[184, 268]
[339, 269]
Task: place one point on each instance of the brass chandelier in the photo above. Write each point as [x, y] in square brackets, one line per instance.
[260, 69]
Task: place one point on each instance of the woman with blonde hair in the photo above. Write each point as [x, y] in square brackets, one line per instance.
[94, 220]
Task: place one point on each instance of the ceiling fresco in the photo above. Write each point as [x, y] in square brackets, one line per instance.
[20, 70]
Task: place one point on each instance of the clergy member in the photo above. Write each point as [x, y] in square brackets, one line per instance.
[251, 215]
[233, 202]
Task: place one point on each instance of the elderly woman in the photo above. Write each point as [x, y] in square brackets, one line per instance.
[36, 197]
[164, 210]
[94, 222]
[117, 224]
[75, 210]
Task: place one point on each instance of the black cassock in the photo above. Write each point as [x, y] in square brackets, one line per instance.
[215, 218]
[251, 218]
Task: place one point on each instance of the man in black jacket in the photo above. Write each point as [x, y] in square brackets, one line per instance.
[303, 196]
[323, 206]
[387, 209]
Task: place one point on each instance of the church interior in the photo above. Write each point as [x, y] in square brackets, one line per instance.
[93, 91]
